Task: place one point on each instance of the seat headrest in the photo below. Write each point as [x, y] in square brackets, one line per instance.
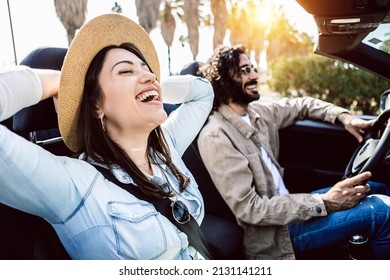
[191, 68]
[41, 116]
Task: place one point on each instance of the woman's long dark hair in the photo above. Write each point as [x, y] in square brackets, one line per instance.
[97, 145]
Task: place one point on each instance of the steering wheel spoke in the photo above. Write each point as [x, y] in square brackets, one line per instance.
[372, 151]
[364, 154]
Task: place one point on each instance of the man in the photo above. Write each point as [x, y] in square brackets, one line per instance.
[240, 141]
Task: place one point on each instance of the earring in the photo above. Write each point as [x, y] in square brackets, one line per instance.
[102, 123]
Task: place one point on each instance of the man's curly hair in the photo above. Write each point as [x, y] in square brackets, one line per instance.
[223, 71]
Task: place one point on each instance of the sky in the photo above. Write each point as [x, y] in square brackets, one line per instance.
[35, 24]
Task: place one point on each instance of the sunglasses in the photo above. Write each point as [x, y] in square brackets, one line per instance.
[248, 69]
[180, 212]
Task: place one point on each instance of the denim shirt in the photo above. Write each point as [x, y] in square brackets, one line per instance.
[94, 218]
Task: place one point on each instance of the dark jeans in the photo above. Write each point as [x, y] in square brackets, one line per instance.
[371, 217]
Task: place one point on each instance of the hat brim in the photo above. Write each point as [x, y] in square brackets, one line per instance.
[98, 33]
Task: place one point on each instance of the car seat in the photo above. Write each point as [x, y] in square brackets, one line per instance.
[22, 235]
[214, 203]
[213, 199]
[38, 123]
[219, 226]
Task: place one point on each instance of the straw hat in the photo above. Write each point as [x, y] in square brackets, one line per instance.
[102, 31]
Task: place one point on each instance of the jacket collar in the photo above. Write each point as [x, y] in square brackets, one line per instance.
[252, 132]
[246, 130]
[119, 173]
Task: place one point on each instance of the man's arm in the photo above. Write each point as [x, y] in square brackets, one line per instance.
[252, 201]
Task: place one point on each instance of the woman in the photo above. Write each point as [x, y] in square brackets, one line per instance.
[110, 114]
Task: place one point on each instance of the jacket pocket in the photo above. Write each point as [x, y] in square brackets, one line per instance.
[138, 230]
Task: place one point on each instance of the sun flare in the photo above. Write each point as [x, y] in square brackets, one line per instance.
[264, 14]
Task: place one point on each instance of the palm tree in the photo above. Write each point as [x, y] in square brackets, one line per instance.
[221, 16]
[72, 15]
[246, 27]
[257, 24]
[168, 26]
[262, 26]
[148, 13]
[191, 18]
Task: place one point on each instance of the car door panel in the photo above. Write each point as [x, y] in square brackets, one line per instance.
[314, 154]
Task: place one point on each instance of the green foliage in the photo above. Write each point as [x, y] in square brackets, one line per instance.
[386, 45]
[328, 79]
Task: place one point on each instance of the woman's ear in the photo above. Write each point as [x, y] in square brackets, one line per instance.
[95, 106]
[99, 114]
[97, 109]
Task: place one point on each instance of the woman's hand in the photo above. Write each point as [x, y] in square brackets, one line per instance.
[50, 81]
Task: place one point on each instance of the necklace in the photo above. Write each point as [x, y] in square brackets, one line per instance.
[145, 166]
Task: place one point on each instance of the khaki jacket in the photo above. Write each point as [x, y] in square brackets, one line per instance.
[230, 150]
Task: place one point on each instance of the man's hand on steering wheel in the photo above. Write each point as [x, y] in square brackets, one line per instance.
[374, 147]
[354, 125]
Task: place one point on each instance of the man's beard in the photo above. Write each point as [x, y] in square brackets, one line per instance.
[241, 97]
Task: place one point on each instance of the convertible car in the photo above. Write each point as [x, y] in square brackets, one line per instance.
[314, 154]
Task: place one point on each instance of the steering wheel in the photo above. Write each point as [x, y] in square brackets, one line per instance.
[373, 149]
